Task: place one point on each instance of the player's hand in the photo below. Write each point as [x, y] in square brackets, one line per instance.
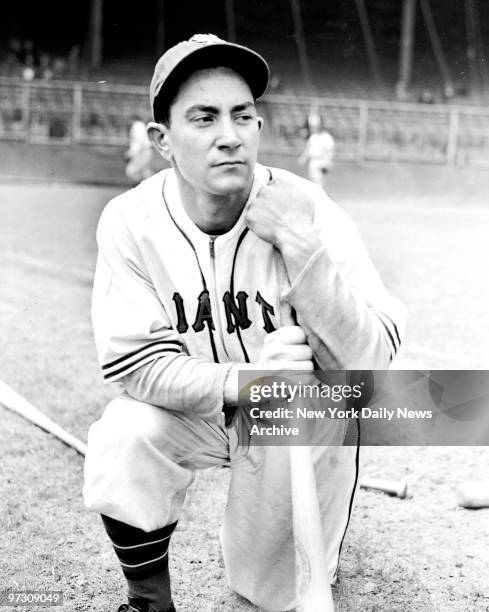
[283, 215]
[280, 211]
[286, 349]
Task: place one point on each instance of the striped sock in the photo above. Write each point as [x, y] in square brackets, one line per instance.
[144, 560]
[140, 553]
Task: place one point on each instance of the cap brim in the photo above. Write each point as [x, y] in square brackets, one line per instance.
[252, 67]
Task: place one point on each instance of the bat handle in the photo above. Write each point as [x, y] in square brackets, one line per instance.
[16, 403]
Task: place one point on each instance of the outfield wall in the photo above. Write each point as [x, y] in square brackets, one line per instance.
[76, 113]
[424, 184]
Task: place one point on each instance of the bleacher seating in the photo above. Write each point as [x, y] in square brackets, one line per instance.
[91, 113]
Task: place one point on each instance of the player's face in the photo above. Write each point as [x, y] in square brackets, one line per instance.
[213, 133]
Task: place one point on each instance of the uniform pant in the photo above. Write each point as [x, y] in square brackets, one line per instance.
[141, 460]
[317, 171]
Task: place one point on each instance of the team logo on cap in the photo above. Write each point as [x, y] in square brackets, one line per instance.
[205, 39]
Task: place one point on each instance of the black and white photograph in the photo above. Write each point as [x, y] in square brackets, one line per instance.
[244, 306]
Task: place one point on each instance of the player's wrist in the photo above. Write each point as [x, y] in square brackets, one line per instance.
[231, 383]
[296, 249]
[297, 238]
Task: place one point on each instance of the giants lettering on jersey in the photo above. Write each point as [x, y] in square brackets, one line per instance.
[236, 312]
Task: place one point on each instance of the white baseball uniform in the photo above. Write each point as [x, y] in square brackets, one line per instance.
[319, 152]
[140, 153]
[173, 308]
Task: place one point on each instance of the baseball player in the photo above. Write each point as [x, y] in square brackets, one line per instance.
[319, 150]
[188, 287]
[140, 152]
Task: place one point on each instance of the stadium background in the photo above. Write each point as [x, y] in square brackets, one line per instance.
[413, 176]
[91, 73]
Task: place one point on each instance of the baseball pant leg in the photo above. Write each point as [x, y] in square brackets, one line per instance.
[314, 171]
[141, 459]
[257, 535]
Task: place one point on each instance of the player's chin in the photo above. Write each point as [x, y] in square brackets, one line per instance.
[231, 183]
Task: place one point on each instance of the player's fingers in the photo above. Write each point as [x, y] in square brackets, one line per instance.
[259, 194]
[289, 334]
[287, 352]
[297, 352]
[301, 366]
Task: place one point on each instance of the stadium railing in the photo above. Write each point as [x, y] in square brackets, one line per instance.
[81, 113]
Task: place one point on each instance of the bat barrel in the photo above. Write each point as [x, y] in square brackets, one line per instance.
[398, 488]
[313, 588]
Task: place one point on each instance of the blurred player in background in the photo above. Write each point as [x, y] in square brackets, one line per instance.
[319, 150]
[140, 152]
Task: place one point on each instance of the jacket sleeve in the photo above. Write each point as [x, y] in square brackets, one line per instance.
[135, 341]
[351, 320]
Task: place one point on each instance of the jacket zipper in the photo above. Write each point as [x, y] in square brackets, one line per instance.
[216, 315]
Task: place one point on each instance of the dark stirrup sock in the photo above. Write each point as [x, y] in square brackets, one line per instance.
[154, 591]
[144, 561]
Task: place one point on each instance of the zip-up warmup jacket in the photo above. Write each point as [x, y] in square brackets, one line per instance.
[172, 309]
[173, 306]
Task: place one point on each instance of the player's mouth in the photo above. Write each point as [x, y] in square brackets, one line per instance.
[229, 164]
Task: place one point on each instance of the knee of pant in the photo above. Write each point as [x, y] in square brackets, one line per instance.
[129, 422]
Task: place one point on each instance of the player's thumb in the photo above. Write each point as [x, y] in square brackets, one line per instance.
[287, 313]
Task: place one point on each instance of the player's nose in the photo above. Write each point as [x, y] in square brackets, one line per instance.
[228, 136]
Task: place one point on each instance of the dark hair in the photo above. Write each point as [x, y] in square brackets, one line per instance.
[161, 110]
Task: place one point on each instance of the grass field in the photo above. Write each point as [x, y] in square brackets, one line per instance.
[428, 239]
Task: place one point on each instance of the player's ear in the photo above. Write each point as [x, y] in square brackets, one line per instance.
[158, 134]
[260, 123]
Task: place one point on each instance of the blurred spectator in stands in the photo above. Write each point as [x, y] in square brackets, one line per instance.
[46, 71]
[28, 71]
[74, 61]
[15, 49]
[139, 153]
[28, 48]
[304, 131]
[426, 96]
[275, 83]
[319, 150]
[11, 64]
[59, 66]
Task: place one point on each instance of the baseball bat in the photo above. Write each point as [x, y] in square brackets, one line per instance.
[313, 590]
[16, 403]
[398, 488]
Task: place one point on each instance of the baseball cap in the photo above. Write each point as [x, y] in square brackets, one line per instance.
[202, 51]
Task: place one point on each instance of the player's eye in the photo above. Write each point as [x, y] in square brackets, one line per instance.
[244, 118]
[202, 119]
